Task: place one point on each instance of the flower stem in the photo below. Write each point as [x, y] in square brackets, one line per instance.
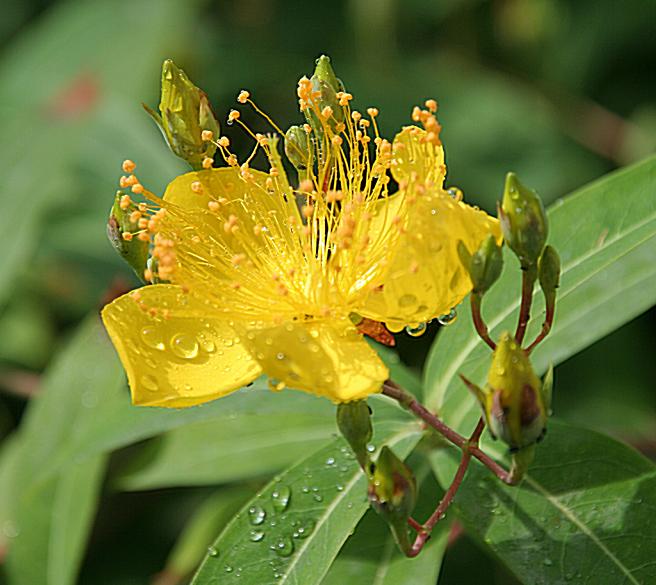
[529, 276]
[408, 401]
[546, 327]
[481, 328]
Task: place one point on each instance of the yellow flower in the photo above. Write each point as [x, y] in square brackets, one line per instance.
[264, 278]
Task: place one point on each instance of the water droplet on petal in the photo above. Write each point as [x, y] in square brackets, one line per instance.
[416, 330]
[152, 338]
[184, 346]
[276, 385]
[455, 193]
[448, 318]
[256, 515]
[280, 498]
[149, 383]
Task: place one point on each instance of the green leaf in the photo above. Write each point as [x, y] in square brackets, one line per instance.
[584, 512]
[605, 234]
[292, 530]
[371, 556]
[250, 445]
[210, 517]
[51, 516]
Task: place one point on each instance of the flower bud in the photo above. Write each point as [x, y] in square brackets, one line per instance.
[484, 265]
[184, 113]
[354, 422]
[327, 85]
[523, 221]
[133, 250]
[393, 494]
[549, 272]
[513, 399]
[297, 148]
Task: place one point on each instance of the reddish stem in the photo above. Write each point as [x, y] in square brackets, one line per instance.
[528, 282]
[479, 324]
[546, 327]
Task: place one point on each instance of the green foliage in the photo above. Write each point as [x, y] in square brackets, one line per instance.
[574, 101]
[582, 511]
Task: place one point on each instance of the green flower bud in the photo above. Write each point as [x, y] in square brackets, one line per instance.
[326, 83]
[549, 271]
[119, 231]
[484, 265]
[354, 422]
[523, 221]
[324, 72]
[513, 398]
[184, 113]
[393, 494]
[298, 148]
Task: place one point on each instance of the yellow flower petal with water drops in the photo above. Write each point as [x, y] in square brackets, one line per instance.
[328, 358]
[173, 353]
[425, 278]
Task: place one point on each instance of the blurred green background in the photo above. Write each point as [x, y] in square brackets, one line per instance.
[560, 91]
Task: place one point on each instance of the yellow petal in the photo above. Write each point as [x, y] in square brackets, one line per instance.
[326, 358]
[425, 278]
[414, 159]
[231, 240]
[173, 354]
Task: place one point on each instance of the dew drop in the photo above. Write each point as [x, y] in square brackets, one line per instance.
[208, 346]
[330, 461]
[371, 448]
[256, 535]
[303, 529]
[228, 569]
[394, 326]
[276, 385]
[280, 498]
[547, 562]
[406, 301]
[152, 338]
[149, 383]
[318, 498]
[256, 515]
[212, 551]
[416, 330]
[455, 193]
[283, 547]
[448, 318]
[184, 346]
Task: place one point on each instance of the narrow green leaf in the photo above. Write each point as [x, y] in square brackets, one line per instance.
[209, 518]
[293, 529]
[250, 445]
[606, 237]
[371, 556]
[584, 512]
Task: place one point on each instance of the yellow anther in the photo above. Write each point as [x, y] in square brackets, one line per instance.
[307, 128]
[135, 216]
[233, 115]
[224, 141]
[128, 166]
[229, 225]
[269, 183]
[125, 202]
[307, 211]
[357, 116]
[373, 112]
[143, 236]
[207, 135]
[127, 236]
[327, 112]
[431, 105]
[197, 187]
[238, 259]
[148, 275]
[243, 96]
[232, 160]
[208, 162]
[142, 224]
[213, 206]
[137, 188]
[337, 140]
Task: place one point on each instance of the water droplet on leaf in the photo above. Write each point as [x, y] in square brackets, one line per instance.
[416, 330]
[256, 515]
[448, 318]
[280, 498]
